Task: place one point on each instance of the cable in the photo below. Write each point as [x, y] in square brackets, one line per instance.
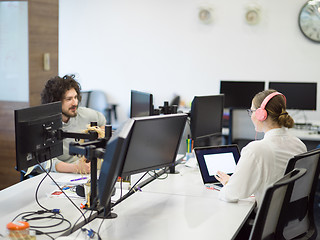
[50, 226]
[131, 191]
[43, 233]
[157, 176]
[47, 174]
[43, 217]
[92, 209]
[37, 189]
[94, 206]
[53, 215]
[121, 187]
[72, 229]
[100, 226]
[91, 233]
[20, 215]
[133, 187]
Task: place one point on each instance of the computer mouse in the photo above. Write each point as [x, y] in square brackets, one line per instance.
[80, 190]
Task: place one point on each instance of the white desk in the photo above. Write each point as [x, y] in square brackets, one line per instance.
[307, 135]
[20, 198]
[188, 182]
[179, 207]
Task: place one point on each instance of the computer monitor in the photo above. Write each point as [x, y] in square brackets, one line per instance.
[154, 143]
[299, 95]
[239, 94]
[112, 165]
[206, 118]
[141, 104]
[35, 134]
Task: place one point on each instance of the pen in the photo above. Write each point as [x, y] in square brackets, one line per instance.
[77, 179]
[191, 145]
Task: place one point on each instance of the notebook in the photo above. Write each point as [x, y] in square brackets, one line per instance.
[216, 158]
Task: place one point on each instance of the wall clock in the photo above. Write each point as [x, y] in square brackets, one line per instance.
[309, 20]
[252, 16]
[205, 15]
[252, 13]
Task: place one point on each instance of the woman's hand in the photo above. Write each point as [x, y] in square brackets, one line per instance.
[222, 177]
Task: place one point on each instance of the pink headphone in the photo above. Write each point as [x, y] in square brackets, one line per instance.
[261, 112]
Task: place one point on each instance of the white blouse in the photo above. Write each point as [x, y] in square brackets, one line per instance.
[262, 163]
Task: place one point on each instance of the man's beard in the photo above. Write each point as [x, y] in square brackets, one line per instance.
[66, 113]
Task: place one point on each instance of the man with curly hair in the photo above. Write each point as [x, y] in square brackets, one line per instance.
[74, 119]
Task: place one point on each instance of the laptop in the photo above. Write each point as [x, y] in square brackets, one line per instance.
[216, 158]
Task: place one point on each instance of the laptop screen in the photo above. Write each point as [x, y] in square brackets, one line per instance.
[216, 158]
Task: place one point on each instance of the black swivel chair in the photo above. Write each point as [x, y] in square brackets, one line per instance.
[300, 223]
[97, 100]
[268, 224]
[23, 175]
[175, 101]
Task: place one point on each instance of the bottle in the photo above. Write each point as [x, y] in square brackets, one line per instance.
[18, 230]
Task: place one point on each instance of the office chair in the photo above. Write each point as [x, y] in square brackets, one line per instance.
[299, 217]
[268, 223]
[97, 100]
[175, 101]
[23, 175]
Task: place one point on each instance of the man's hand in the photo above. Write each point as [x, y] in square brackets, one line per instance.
[83, 167]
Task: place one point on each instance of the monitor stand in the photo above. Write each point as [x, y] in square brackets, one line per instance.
[106, 213]
[209, 140]
[92, 151]
[172, 169]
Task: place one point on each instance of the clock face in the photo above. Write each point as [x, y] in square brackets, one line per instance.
[252, 16]
[309, 20]
[205, 15]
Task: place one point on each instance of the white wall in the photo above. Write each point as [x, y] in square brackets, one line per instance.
[161, 47]
[14, 66]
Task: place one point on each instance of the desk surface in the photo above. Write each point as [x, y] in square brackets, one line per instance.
[147, 215]
[178, 207]
[303, 134]
[187, 182]
[20, 198]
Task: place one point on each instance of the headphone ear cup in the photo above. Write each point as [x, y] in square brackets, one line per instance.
[261, 114]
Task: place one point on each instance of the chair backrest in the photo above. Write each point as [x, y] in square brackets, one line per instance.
[267, 224]
[299, 214]
[96, 100]
[175, 101]
[85, 96]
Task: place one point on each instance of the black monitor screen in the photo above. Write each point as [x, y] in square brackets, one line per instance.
[300, 95]
[35, 134]
[154, 143]
[113, 161]
[239, 94]
[141, 104]
[206, 115]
